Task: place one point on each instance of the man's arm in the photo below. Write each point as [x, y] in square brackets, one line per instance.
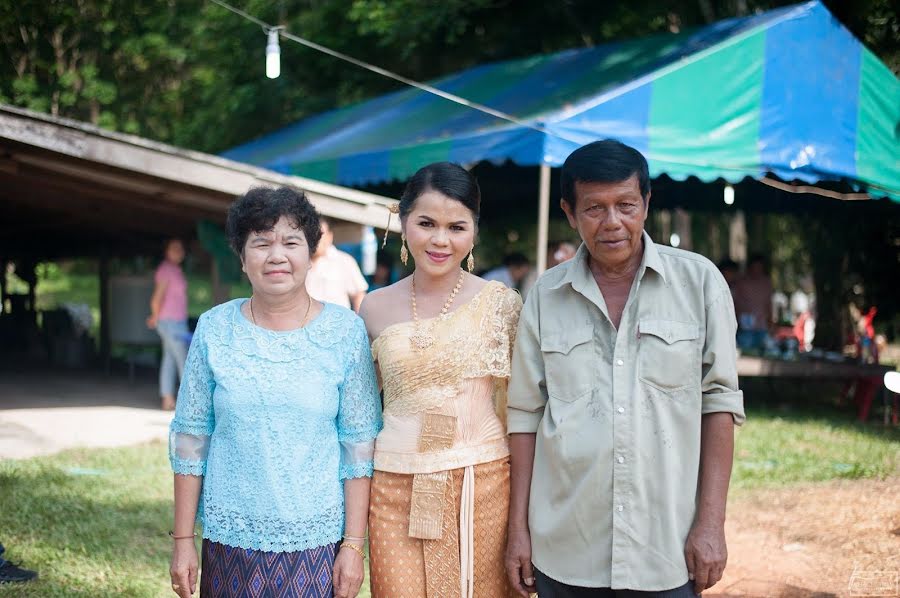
[525, 409]
[518, 552]
[705, 551]
[356, 300]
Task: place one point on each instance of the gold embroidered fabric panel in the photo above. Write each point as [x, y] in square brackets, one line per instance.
[438, 432]
[404, 567]
[426, 508]
[473, 341]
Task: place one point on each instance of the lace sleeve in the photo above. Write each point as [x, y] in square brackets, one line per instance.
[510, 309]
[359, 413]
[192, 427]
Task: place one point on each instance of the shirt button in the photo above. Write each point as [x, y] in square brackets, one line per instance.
[620, 459]
[621, 410]
[620, 362]
[620, 508]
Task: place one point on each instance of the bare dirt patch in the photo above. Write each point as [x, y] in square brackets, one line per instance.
[823, 540]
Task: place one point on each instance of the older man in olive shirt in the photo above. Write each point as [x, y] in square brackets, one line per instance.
[622, 403]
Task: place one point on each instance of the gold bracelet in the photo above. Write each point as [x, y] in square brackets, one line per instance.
[354, 539]
[354, 547]
[174, 537]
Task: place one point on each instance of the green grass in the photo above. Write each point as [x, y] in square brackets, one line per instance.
[94, 522]
[780, 446]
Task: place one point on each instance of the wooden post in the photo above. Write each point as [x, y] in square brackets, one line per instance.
[543, 219]
[220, 292]
[737, 238]
[3, 266]
[104, 310]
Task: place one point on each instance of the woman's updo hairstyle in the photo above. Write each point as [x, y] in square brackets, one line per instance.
[446, 178]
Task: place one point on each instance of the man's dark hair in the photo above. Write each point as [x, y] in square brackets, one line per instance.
[727, 264]
[261, 207]
[515, 259]
[606, 161]
[758, 258]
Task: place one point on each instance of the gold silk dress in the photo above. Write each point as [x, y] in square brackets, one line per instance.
[440, 493]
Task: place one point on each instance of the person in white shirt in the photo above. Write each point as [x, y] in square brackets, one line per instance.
[334, 276]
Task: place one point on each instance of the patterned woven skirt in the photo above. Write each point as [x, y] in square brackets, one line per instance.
[230, 572]
[405, 567]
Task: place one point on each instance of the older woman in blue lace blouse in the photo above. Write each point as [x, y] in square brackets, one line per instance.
[274, 430]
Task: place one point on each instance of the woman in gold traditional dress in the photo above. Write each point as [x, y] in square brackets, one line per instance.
[442, 343]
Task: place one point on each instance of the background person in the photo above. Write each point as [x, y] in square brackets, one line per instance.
[11, 573]
[335, 276]
[168, 315]
[753, 303]
[513, 271]
[559, 252]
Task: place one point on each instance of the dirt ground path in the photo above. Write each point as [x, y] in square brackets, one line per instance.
[822, 540]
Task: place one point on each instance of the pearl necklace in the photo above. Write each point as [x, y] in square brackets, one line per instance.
[422, 339]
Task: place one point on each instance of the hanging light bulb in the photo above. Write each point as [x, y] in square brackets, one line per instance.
[675, 240]
[728, 195]
[273, 55]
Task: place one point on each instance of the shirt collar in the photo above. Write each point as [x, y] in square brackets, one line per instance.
[579, 274]
[652, 258]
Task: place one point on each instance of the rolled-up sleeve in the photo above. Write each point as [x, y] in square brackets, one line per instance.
[359, 413]
[719, 384]
[527, 394]
[194, 422]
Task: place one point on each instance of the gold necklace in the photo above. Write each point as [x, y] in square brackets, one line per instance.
[302, 323]
[421, 338]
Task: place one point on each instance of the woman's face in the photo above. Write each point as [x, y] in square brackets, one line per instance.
[276, 261]
[175, 252]
[440, 232]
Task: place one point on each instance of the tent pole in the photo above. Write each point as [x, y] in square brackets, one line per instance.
[543, 218]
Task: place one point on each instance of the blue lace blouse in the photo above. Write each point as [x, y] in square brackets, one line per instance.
[274, 422]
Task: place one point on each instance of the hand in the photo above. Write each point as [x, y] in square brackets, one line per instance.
[185, 565]
[705, 554]
[348, 573]
[151, 322]
[518, 562]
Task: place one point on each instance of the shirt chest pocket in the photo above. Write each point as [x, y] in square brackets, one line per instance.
[669, 354]
[571, 363]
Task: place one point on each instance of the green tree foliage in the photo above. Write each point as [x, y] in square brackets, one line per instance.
[190, 73]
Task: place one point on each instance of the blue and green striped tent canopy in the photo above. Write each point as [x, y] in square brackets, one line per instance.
[789, 92]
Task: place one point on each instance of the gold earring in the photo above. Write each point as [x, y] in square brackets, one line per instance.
[470, 263]
[404, 253]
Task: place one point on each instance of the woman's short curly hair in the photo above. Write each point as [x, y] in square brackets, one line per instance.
[261, 207]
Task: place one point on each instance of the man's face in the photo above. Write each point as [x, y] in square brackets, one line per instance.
[326, 241]
[609, 218]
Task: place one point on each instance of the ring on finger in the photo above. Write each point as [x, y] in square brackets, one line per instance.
[175, 586]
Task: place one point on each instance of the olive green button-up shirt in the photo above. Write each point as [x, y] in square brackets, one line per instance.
[617, 415]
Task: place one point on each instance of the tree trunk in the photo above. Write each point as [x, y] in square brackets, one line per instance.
[829, 266]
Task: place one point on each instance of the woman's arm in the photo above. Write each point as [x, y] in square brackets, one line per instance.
[185, 562]
[358, 423]
[159, 291]
[189, 439]
[349, 571]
